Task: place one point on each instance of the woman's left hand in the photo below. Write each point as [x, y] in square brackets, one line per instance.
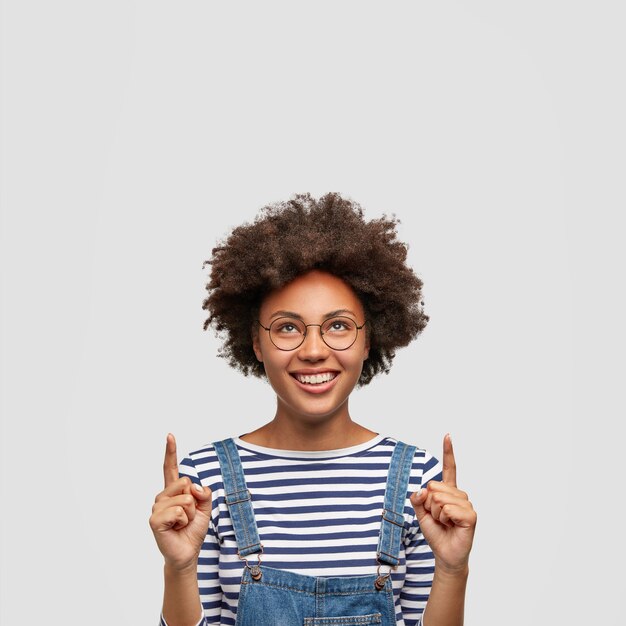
[446, 516]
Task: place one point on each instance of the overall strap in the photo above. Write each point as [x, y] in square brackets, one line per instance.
[238, 498]
[392, 524]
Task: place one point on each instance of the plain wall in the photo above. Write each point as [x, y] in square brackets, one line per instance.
[135, 134]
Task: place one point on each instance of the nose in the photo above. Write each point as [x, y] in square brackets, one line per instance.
[313, 347]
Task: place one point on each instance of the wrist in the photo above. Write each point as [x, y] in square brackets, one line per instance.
[179, 570]
[453, 572]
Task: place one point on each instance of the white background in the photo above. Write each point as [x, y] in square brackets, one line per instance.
[135, 134]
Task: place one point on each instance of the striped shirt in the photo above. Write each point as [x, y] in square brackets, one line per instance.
[318, 513]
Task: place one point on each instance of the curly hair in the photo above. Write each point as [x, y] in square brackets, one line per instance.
[292, 237]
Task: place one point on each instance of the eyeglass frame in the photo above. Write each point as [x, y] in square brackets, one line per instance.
[285, 317]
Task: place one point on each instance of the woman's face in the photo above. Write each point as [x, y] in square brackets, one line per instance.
[313, 298]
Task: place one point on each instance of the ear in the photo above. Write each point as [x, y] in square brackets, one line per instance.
[256, 345]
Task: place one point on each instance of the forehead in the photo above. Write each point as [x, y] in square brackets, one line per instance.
[314, 294]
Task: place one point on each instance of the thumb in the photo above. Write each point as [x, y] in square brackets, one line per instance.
[417, 500]
[203, 496]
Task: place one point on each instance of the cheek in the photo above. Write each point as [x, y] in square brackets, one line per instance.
[273, 363]
[355, 363]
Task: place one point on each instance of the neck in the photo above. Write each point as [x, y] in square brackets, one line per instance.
[329, 433]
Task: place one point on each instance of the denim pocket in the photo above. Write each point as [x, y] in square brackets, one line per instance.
[347, 620]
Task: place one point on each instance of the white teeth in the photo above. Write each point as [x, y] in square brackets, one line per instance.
[315, 379]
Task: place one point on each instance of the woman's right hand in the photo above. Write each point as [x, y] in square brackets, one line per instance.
[180, 515]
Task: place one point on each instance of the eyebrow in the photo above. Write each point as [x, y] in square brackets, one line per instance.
[298, 316]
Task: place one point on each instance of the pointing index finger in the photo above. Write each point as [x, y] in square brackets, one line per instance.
[170, 464]
[449, 464]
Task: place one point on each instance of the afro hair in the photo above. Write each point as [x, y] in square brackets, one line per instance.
[293, 237]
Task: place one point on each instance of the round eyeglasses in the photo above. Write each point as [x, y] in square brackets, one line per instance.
[288, 333]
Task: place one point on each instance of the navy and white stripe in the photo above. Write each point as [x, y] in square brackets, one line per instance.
[319, 514]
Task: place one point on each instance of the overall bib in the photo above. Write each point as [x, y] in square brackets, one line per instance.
[273, 597]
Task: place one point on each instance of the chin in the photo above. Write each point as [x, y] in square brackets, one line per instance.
[313, 415]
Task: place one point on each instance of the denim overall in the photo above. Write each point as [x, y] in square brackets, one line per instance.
[273, 597]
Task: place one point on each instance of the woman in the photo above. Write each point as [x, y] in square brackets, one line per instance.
[283, 524]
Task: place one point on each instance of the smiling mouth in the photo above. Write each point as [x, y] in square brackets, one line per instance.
[315, 379]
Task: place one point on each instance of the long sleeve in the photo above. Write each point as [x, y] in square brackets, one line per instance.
[420, 562]
[208, 561]
[338, 489]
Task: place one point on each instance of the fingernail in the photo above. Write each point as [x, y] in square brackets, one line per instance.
[198, 488]
[418, 493]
